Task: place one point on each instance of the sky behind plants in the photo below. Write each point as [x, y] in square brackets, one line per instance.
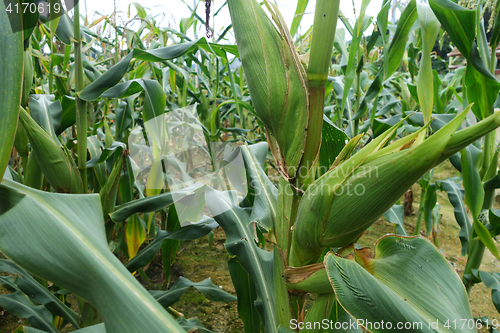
[170, 12]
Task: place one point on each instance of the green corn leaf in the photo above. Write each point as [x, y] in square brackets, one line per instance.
[124, 119]
[109, 189]
[492, 281]
[190, 232]
[154, 100]
[481, 86]
[46, 112]
[430, 27]
[99, 170]
[382, 19]
[114, 75]
[456, 197]
[485, 237]
[392, 58]
[333, 141]
[474, 191]
[395, 215]
[30, 18]
[494, 219]
[240, 242]
[353, 50]
[246, 292]
[99, 157]
[54, 19]
[481, 40]
[140, 10]
[459, 23]
[465, 137]
[192, 325]
[398, 45]
[27, 77]
[438, 121]
[266, 193]
[33, 175]
[68, 117]
[21, 141]
[91, 329]
[324, 307]
[439, 102]
[65, 28]
[68, 243]
[381, 125]
[430, 202]
[206, 287]
[38, 293]
[11, 70]
[20, 305]
[150, 204]
[367, 289]
[493, 182]
[297, 18]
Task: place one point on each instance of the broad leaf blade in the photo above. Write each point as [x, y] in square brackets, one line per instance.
[20, 305]
[240, 242]
[190, 232]
[245, 289]
[474, 191]
[114, 75]
[91, 329]
[46, 112]
[395, 215]
[456, 197]
[297, 18]
[38, 293]
[66, 245]
[265, 202]
[459, 23]
[375, 292]
[333, 141]
[11, 72]
[398, 44]
[206, 287]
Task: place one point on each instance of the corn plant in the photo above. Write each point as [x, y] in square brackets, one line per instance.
[478, 164]
[74, 205]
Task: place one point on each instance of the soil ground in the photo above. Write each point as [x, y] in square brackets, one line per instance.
[196, 260]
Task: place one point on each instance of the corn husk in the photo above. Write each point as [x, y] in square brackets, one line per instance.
[27, 77]
[54, 160]
[276, 80]
[21, 141]
[33, 175]
[343, 203]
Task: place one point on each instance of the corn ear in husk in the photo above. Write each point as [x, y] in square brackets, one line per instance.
[54, 160]
[344, 202]
[27, 77]
[21, 142]
[276, 80]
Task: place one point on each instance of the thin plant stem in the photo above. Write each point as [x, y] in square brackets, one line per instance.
[81, 105]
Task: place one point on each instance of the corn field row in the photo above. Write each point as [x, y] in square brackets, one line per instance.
[121, 140]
